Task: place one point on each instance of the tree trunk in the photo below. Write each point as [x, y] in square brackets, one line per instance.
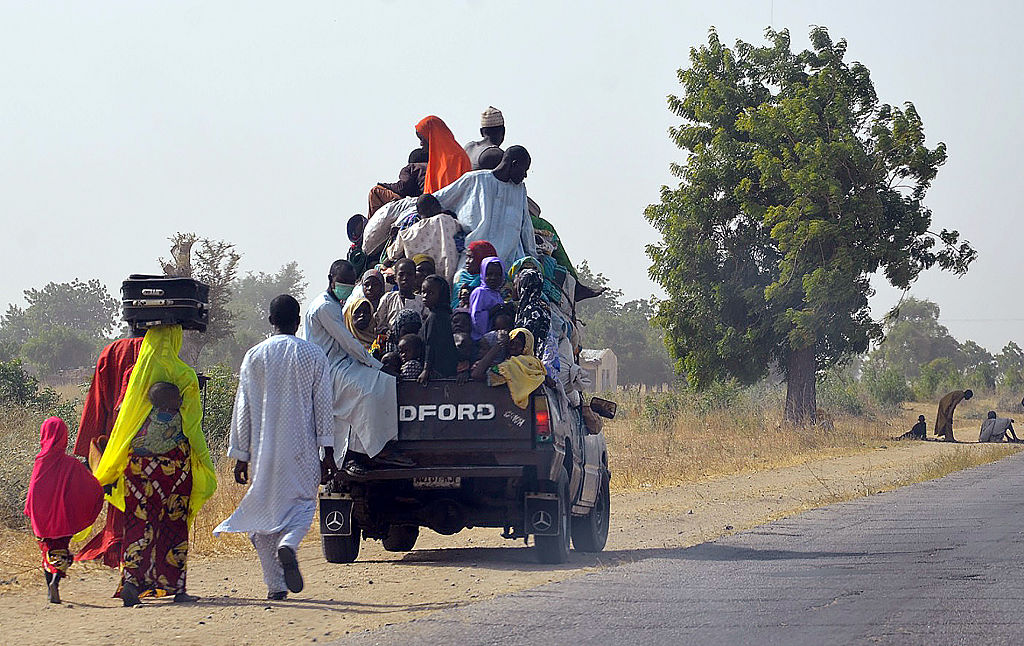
[801, 388]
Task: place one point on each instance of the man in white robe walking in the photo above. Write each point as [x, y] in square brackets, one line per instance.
[283, 415]
[365, 399]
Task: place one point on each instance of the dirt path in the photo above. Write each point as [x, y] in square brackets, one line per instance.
[383, 588]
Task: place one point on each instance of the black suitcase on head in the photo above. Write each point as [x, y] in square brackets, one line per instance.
[149, 301]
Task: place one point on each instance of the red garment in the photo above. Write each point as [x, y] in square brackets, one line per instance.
[446, 161]
[477, 251]
[63, 497]
[156, 520]
[109, 382]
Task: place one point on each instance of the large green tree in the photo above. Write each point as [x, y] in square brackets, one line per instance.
[913, 338]
[798, 186]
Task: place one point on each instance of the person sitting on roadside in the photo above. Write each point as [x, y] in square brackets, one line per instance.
[521, 371]
[944, 418]
[995, 429]
[407, 297]
[485, 297]
[919, 432]
[410, 351]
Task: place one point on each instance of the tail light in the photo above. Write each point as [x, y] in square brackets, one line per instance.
[541, 420]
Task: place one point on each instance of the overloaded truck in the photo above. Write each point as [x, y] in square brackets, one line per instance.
[477, 460]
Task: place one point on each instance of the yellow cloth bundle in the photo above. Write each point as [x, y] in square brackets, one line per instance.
[523, 373]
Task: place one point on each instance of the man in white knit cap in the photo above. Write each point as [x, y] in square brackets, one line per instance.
[492, 129]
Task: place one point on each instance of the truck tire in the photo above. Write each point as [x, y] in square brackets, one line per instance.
[590, 532]
[401, 538]
[342, 549]
[555, 549]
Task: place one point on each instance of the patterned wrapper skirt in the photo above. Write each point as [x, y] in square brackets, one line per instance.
[157, 490]
[56, 554]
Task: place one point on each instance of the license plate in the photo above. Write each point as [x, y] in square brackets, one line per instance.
[437, 482]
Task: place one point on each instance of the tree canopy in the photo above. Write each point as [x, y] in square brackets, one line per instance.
[798, 186]
[61, 326]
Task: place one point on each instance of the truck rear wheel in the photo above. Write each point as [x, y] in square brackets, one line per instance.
[342, 549]
[590, 532]
[401, 538]
[555, 549]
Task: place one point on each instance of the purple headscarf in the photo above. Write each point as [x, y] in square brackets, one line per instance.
[483, 299]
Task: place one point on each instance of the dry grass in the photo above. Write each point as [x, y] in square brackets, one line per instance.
[653, 445]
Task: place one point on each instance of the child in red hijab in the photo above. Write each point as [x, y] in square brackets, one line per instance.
[63, 499]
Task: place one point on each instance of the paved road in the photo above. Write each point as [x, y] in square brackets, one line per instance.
[935, 563]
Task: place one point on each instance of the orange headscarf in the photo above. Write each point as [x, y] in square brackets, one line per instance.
[447, 160]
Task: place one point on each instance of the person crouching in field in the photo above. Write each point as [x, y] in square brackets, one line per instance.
[944, 418]
[159, 465]
[284, 412]
[63, 500]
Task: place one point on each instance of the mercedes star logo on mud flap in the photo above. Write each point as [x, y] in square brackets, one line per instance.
[542, 521]
[335, 521]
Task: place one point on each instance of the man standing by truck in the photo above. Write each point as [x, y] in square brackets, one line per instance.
[283, 412]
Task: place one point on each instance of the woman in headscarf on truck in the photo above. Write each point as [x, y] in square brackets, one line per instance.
[469, 276]
[446, 160]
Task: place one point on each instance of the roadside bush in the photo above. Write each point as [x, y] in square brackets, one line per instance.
[839, 393]
[220, 399]
[889, 388]
[938, 375]
[19, 388]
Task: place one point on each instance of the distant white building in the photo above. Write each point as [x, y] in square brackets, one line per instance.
[603, 368]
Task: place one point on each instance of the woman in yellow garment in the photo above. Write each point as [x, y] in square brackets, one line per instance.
[159, 493]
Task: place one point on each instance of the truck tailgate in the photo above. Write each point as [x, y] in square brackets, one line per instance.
[446, 411]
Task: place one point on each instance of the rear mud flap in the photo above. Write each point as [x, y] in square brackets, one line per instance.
[543, 511]
[335, 514]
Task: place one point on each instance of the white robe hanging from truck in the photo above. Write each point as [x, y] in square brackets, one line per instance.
[492, 210]
[365, 399]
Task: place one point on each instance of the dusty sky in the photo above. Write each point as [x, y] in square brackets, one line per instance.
[266, 123]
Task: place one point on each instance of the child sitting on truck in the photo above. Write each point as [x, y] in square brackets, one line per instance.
[521, 371]
[410, 349]
[485, 297]
[440, 358]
